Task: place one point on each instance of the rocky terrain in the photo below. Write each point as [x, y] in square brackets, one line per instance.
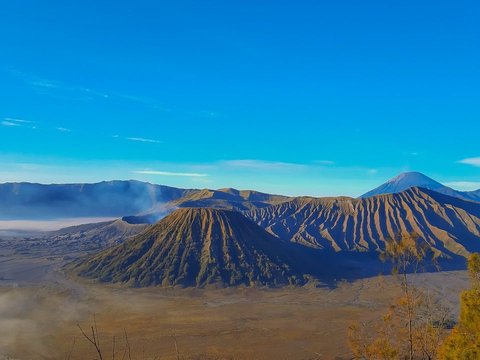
[449, 224]
[231, 237]
[199, 247]
[82, 239]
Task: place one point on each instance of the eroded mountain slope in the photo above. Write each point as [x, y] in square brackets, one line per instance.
[198, 247]
[450, 224]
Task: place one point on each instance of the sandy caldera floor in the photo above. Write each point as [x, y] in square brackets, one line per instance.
[40, 321]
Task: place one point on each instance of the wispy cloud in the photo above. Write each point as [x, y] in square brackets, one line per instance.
[464, 185]
[18, 123]
[13, 122]
[10, 123]
[58, 89]
[144, 140]
[324, 162]
[54, 87]
[474, 161]
[168, 173]
[43, 83]
[137, 139]
[261, 164]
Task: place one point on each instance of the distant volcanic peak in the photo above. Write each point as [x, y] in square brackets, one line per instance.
[414, 178]
[197, 247]
[408, 180]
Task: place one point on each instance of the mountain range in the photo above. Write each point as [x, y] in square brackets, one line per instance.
[117, 199]
[191, 237]
[104, 199]
[451, 225]
[150, 202]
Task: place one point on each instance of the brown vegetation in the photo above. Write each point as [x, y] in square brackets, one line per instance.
[464, 341]
[413, 327]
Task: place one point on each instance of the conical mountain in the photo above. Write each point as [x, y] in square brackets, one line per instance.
[197, 247]
[412, 179]
[408, 180]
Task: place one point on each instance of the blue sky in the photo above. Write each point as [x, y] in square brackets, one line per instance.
[304, 97]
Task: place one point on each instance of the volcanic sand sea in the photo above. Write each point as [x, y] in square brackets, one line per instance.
[22, 227]
[40, 307]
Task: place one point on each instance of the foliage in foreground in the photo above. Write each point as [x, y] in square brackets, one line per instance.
[415, 323]
[464, 341]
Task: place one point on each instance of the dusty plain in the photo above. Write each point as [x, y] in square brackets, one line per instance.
[40, 308]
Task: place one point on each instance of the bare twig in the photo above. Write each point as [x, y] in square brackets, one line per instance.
[96, 330]
[113, 347]
[92, 340]
[127, 344]
[176, 345]
[71, 350]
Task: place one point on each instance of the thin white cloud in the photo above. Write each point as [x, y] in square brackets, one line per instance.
[9, 123]
[324, 162]
[464, 185]
[13, 122]
[42, 83]
[474, 161]
[53, 87]
[261, 164]
[58, 89]
[139, 139]
[18, 123]
[168, 173]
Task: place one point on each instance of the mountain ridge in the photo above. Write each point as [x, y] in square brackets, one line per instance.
[106, 198]
[451, 225]
[150, 202]
[122, 198]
